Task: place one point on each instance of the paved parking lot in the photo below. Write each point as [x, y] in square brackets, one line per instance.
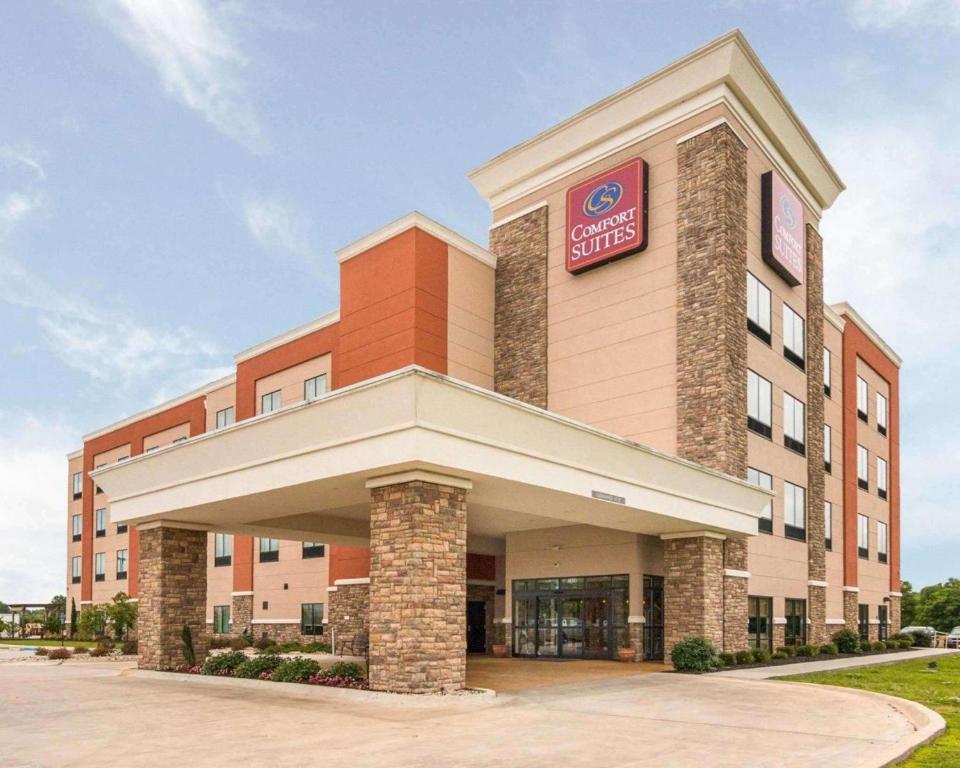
[93, 713]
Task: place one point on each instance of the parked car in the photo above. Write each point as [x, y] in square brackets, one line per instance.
[953, 639]
[926, 630]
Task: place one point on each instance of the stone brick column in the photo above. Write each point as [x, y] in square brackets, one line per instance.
[173, 594]
[895, 616]
[348, 603]
[241, 614]
[692, 588]
[635, 631]
[418, 583]
[816, 551]
[735, 581]
[851, 608]
[779, 634]
[520, 309]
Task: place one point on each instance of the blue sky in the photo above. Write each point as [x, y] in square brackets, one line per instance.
[175, 176]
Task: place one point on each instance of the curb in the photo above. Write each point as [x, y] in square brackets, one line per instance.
[301, 691]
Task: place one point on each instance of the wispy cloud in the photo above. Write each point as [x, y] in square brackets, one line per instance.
[24, 155]
[198, 60]
[17, 206]
[277, 225]
[887, 14]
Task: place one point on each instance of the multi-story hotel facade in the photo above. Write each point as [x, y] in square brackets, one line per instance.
[629, 420]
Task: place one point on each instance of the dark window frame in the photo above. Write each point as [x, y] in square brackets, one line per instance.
[757, 426]
[828, 467]
[795, 445]
[765, 524]
[314, 628]
[801, 620]
[882, 429]
[758, 332]
[795, 533]
[863, 621]
[317, 550]
[218, 613]
[270, 556]
[794, 358]
[122, 528]
[754, 639]
[883, 628]
[222, 560]
[863, 485]
[75, 579]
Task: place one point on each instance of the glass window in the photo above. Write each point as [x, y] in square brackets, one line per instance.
[882, 477]
[794, 423]
[826, 372]
[882, 541]
[222, 549]
[226, 417]
[77, 521]
[270, 402]
[312, 549]
[221, 619]
[315, 387]
[862, 399]
[884, 619]
[311, 619]
[758, 308]
[181, 439]
[863, 624]
[759, 404]
[863, 536]
[759, 613]
[75, 569]
[755, 476]
[101, 522]
[881, 414]
[827, 448]
[792, 336]
[795, 632]
[794, 511]
[269, 550]
[100, 566]
[121, 563]
[827, 525]
[77, 485]
[863, 468]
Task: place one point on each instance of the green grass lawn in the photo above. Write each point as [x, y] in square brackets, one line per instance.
[68, 643]
[938, 689]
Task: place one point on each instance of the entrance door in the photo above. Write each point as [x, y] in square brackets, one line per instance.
[596, 628]
[476, 626]
[653, 618]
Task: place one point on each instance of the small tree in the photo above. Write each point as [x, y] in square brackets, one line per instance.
[188, 653]
[53, 624]
[122, 615]
[73, 617]
[92, 623]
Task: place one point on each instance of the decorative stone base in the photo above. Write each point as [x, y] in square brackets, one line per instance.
[241, 615]
[779, 636]
[173, 595]
[693, 590]
[817, 613]
[418, 589]
[873, 632]
[348, 607]
[851, 610]
[895, 615]
[635, 631]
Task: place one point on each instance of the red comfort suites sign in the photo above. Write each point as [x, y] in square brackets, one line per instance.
[782, 232]
[607, 216]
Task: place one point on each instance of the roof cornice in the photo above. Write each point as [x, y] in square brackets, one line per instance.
[845, 310]
[287, 336]
[725, 71]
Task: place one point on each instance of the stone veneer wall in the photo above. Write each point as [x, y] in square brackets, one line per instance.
[712, 333]
[693, 590]
[894, 616]
[173, 593]
[520, 312]
[349, 611]
[241, 614]
[851, 610]
[418, 590]
[635, 638]
[816, 552]
[484, 593]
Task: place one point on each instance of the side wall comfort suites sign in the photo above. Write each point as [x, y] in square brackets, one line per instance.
[607, 216]
[781, 233]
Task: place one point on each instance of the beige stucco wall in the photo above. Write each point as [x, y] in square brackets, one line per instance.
[166, 437]
[217, 400]
[470, 287]
[290, 381]
[833, 485]
[74, 549]
[306, 581]
[104, 590]
[219, 581]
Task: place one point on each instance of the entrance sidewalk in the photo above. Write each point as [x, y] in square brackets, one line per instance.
[765, 673]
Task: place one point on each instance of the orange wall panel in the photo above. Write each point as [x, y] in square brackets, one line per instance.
[348, 562]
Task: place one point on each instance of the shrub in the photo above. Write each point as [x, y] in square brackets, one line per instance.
[891, 645]
[828, 649]
[778, 655]
[922, 639]
[129, 648]
[693, 654]
[879, 645]
[846, 640]
[80, 650]
[297, 670]
[316, 648]
[728, 659]
[898, 636]
[761, 655]
[59, 653]
[186, 636]
[904, 643]
[239, 643]
[263, 643]
[223, 663]
[219, 642]
[102, 649]
[807, 651]
[258, 666]
[353, 671]
[744, 657]
[788, 651]
[42, 651]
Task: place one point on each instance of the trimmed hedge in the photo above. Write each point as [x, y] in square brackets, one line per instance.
[256, 667]
[297, 670]
[728, 659]
[223, 663]
[807, 651]
[693, 654]
[761, 655]
[744, 657]
[829, 649]
[846, 640]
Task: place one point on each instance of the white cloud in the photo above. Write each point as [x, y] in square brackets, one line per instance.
[277, 225]
[25, 155]
[18, 205]
[32, 459]
[886, 14]
[199, 62]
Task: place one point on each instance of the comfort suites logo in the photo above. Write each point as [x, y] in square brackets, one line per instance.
[781, 228]
[607, 216]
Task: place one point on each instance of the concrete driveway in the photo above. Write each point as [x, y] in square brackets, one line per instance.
[108, 714]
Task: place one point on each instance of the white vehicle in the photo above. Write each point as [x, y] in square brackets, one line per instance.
[953, 639]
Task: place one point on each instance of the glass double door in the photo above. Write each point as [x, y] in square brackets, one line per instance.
[572, 627]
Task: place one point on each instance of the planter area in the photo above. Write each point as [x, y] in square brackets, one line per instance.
[311, 669]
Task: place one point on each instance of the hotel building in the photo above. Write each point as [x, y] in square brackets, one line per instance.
[628, 420]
